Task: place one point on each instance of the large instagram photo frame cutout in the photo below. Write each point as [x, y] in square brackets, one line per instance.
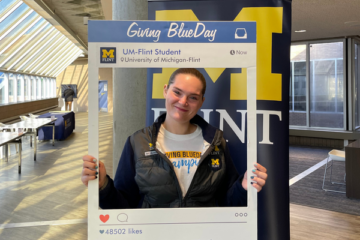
[201, 45]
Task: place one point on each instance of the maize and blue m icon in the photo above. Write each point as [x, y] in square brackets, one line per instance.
[107, 55]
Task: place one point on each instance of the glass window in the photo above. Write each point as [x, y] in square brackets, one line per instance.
[19, 86]
[13, 17]
[45, 58]
[297, 103]
[5, 4]
[51, 87]
[38, 88]
[30, 44]
[36, 54]
[25, 44]
[357, 86]
[65, 62]
[43, 88]
[56, 57]
[54, 87]
[326, 85]
[18, 31]
[47, 87]
[3, 88]
[12, 88]
[27, 88]
[33, 88]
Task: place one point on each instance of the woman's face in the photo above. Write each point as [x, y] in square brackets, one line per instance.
[183, 98]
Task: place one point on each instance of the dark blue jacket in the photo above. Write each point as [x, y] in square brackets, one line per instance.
[69, 95]
[145, 176]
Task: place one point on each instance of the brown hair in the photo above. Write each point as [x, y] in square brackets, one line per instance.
[191, 71]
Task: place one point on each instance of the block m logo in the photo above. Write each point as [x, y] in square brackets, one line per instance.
[269, 20]
[215, 162]
[107, 55]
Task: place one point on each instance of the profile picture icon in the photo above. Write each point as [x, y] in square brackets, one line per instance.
[240, 33]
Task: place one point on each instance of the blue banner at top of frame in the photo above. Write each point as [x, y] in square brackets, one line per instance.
[172, 32]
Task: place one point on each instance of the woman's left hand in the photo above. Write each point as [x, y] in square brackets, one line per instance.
[257, 181]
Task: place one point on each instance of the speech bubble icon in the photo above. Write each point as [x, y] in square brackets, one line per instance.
[122, 217]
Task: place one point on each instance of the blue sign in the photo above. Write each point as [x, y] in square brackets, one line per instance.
[172, 32]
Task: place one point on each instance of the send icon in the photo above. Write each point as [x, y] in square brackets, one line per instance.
[240, 33]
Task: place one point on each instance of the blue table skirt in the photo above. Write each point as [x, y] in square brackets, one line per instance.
[64, 126]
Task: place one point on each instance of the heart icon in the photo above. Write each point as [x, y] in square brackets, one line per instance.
[101, 231]
[104, 218]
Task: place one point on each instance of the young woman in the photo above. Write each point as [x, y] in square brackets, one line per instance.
[179, 161]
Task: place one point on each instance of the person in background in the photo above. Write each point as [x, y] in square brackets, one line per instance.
[69, 95]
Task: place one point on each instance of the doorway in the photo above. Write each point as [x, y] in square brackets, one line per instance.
[103, 96]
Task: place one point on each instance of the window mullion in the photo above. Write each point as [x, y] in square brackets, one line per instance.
[308, 85]
[22, 87]
[6, 78]
[292, 86]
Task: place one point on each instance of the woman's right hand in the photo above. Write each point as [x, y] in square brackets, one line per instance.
[91, 171]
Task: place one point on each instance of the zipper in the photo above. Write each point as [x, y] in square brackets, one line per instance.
[153, 141]
[172, 168]
[182, 200]
[210, 148]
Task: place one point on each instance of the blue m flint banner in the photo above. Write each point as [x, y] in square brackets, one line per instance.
[225, 105]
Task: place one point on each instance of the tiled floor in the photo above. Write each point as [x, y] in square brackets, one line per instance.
[50, 188]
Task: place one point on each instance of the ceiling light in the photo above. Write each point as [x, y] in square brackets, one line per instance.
[300, 31]
[351, 22]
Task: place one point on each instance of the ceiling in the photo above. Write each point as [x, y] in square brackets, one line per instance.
[322, 19]
[72, 13]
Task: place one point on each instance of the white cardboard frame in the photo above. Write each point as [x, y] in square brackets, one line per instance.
[181, 223]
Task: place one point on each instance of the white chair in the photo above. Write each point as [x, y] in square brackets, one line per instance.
[23, 118]
[334, 156]
[6, 127]
[33, 116]
[3, 127]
